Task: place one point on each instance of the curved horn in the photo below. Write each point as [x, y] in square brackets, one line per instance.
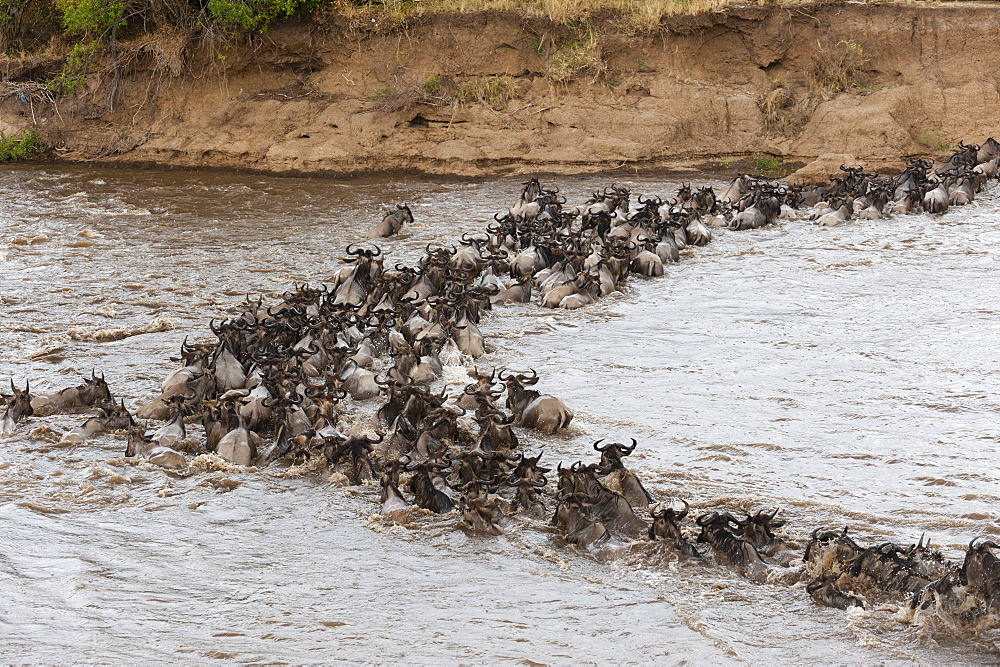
[707, 518]
[607, 470]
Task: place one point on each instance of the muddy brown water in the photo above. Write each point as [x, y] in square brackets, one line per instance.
[848, 376]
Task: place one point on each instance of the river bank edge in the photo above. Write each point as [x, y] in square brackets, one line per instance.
[762, 89]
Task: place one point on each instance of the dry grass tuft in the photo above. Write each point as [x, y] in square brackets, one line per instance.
[837, 68]
[787, 108]
[390, 14]
[404, 94]
[772, 104]
[630, 14]
[577, 58]
[494, 92]
[388, 100]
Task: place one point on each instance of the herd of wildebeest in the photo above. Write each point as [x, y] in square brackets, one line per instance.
[271, 387]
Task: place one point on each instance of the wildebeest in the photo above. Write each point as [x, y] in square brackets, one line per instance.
[94, 392]
[117, 418]
[666, 526]
[18, 407]
[831, 549]
[573, 516]
[482, 515]
[824, 590]
[428, 487]
[717, 530]
[758, 531]
[353, 450]
[165, 457]
[394, 506]
[174, 431]
[625, 480]
[598, 501]
[240, 444]
[543, 412]
[392, 222]
[840, 211]
[763, 210]
[528, 478]
[937, 200]
[980, 572]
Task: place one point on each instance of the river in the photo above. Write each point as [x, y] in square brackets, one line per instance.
[849, 376]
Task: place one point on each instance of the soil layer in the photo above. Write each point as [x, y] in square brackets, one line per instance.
[744, 87]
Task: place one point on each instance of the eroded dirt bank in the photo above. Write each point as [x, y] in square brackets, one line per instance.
[701, 91]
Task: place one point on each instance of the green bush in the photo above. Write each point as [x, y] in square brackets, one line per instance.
[766, 164]
[91, 17]
[15, 149]
[256, 14]
[74, 70]
[934, 141]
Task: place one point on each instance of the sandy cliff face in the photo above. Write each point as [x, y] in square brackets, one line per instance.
[698, 91]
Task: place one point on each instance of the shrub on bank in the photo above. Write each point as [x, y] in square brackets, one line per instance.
[13, 149]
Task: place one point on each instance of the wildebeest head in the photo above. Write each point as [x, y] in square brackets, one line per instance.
[833, 543]
[666, 526]
[95, 391]
[721, 531]
[824, 590]
[981, 571]
[532, 189]
[19, 403]
[758, 528]
[666, 523]
[482, 515]
[137, 443]
[425, 492]
[117, 418]
[613, 452]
